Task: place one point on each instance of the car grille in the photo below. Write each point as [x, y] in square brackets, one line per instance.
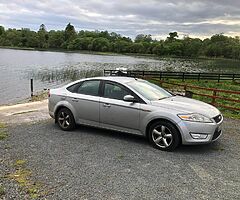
[218, 118]
[216, 134]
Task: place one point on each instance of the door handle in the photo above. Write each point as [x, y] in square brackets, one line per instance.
[106, 105]
[75, 100]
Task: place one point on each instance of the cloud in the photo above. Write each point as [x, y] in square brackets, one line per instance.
[156, 17]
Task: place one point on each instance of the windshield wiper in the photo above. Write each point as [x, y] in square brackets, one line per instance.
[163, 98]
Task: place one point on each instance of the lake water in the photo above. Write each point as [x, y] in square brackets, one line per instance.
[52, 69]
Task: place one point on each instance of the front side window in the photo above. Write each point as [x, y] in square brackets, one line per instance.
[89, 88]
[113, 91]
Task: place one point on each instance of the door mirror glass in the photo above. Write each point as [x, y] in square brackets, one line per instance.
[129, 98]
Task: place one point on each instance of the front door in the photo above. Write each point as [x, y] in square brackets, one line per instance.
[115, 112]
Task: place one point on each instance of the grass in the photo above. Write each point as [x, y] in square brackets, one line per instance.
[3, 133]
[2, 191]
[225, 85]
[39, 96]
[22, 176]
[120, 156]
[20, 162]
[2, 125]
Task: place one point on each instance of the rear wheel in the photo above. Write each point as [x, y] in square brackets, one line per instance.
[65, 119]
[164, 136]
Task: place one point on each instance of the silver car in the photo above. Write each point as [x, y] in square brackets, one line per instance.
[135, 106]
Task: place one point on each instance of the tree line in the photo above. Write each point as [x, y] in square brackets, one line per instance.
[218, 45]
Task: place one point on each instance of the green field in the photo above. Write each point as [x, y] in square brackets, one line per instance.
[225, 85]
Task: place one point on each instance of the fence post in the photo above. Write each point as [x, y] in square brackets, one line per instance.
[160, 83]
[218, 78]
[160, 75]
[199, 76]
[214, 97]
[185, 88]
[31, 87]
[130, 74]
[233, 77]
[183, 76]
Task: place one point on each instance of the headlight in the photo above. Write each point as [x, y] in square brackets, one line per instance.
[195, 118]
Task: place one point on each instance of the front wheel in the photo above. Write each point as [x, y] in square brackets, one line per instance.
[65, 119]
[164, 136]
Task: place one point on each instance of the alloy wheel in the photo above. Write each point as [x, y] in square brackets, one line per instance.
[162, 136]
[64, 119]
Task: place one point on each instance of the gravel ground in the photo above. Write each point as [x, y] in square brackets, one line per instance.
[97, 164]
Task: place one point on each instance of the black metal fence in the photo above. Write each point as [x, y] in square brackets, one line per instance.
[174, 75]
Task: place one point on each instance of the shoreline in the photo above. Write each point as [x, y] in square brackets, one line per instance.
[38, 96]
[116, 54]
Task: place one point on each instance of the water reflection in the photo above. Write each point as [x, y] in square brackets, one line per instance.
[64, 75]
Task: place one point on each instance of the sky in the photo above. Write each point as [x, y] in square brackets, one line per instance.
[194, 18]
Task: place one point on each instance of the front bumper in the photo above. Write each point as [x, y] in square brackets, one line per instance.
[209, 132]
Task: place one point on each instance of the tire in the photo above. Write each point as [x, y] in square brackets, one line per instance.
[164, 136]
[65, 119]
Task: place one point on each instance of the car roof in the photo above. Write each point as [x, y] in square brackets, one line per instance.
[118, 79]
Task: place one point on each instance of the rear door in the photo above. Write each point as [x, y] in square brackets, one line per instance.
[115, 112]
[85, 100]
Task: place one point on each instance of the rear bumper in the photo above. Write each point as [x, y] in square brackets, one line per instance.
[207, 132]
[52, 114]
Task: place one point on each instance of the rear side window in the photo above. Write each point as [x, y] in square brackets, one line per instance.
[89, 88]
[74, 88]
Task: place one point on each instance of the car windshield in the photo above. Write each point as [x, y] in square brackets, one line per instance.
[148, 90]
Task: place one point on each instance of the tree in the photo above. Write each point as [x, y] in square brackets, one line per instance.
[81, 43]
[42, 37]
[56, 39]
[12, 37]
[143, 38]
[2, 30]
[172, 36]
[121, 46]
[160, 49]
[174, 48]
[42, 28]
[218, 45]
[136, 48]
[70, 33]
[100, 44]
[191, 47]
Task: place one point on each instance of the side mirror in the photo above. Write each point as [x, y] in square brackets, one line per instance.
[129, 98]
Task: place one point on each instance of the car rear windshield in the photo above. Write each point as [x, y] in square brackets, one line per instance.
[148, 90]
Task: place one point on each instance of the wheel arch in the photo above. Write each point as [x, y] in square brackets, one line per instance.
[166, 120]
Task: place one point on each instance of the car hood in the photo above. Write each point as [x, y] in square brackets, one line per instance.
[186, 105]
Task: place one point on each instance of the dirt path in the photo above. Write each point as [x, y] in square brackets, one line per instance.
[24, 113]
